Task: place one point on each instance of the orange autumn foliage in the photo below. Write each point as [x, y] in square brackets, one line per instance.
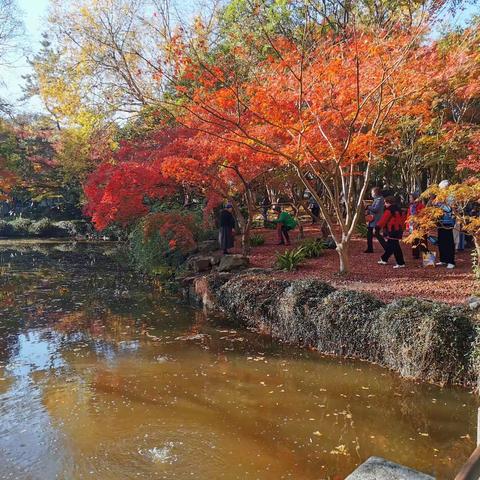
[326, 108]
[7, 181]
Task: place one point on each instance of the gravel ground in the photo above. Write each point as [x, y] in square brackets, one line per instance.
[386, 283]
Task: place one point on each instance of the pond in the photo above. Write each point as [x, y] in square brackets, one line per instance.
[103, 377]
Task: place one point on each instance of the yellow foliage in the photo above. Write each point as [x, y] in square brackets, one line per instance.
[458, 196]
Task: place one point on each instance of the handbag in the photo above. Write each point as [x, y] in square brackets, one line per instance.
[369, 218]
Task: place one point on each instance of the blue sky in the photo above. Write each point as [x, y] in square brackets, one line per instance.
[34, 17]
[34, 14]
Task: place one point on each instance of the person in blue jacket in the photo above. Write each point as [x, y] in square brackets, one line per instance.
[374, 213]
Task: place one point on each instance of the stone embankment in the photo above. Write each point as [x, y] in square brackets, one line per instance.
[419, 339]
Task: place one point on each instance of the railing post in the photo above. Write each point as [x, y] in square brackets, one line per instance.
[478, 427]
[471, 470]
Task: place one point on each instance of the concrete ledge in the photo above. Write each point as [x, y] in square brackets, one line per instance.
[376, 468]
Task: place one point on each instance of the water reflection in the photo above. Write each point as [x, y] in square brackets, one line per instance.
[101, 379]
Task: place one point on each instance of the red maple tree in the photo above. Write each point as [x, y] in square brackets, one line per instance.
[120, 193]
[322, 107]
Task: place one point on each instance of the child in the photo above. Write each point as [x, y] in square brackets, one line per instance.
[415, 206]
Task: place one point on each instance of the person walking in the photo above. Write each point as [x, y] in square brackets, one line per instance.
[446, 224]
[314, 208]
[393, 223]
[374, 213]
[226, 236]
[285, 222]
[415, 206]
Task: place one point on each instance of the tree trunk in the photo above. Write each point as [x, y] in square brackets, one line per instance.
[476, 265]
[343, 255]
[296, 211]
[300, 229]
[246, 238]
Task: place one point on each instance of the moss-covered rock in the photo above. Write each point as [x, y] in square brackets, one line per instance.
[475, 359]
[294, 323]
[345, 324]
[41, 228]
[252, 298]
[426, 340]
[20, 227]
[65, 228]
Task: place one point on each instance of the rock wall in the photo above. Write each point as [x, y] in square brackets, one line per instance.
[419, 339]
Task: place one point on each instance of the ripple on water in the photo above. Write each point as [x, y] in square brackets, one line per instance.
[163, 454]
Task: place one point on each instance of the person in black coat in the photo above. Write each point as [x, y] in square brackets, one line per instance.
[227, 225]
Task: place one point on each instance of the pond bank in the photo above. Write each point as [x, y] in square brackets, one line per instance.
[419, 339]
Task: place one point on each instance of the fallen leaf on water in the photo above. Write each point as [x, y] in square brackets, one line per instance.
[339, 450]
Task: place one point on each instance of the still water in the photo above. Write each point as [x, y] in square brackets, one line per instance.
[102, 378]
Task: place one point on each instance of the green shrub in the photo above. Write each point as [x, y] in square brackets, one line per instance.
[41, 228]
[81, 226]
[65, 228]
[204, 234]
[46, 228]
[345, 322]
[257, 240]
[313, 247]
[150, 254]
[20, 227]
[258, 222]
[6, 229]
[270, 225]
[426, 340]
[151, 250]
[362, 229]
[290, 259]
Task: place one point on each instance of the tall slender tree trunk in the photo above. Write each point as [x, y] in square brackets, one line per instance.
[246, 239]
[244, 225]
[296, 211]
[344, 257]
[476, 262]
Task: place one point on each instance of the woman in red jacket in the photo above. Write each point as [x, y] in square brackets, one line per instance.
[392, 222]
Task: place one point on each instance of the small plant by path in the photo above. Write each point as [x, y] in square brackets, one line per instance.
[290, 259]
